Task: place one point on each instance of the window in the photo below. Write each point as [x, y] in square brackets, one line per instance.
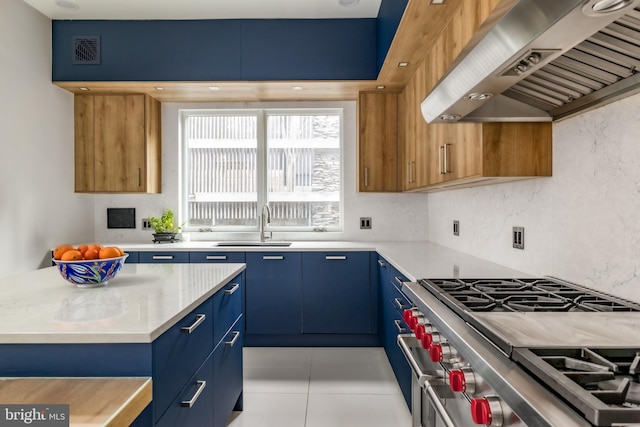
[238, 160]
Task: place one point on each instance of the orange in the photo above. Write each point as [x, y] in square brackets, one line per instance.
[91, 254]
[109, 252]
[120, 250]
[95, 246]
[82, 249]
[60, 250]
[71, 255]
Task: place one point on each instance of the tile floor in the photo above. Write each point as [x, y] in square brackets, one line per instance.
[320, 387]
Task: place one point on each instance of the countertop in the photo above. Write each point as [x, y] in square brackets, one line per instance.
[413, 259]
[137, 306]
[93, 402]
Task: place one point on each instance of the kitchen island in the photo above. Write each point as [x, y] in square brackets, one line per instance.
[180, 324]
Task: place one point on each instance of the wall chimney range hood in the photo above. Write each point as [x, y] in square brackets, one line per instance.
[543, 60]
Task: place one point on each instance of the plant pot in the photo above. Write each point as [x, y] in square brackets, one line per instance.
[164, 237]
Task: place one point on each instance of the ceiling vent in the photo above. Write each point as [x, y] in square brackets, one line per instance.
[86, 50]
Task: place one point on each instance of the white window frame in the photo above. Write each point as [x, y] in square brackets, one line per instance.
[261, 154]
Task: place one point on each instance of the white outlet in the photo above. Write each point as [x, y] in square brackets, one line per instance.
[146, 224]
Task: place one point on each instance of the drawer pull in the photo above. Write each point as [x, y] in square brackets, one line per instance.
[398, 280]
[401, 329]
[382, 263]
[236, 335]
[162, 257]
[273, 257]
[189, 329]
[234, 288]
[217, 257]
[335, 257]
[400, 305]
[192, 401]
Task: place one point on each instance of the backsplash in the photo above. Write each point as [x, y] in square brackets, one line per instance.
[581, 225]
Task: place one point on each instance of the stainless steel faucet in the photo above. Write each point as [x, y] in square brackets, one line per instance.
[263, 223]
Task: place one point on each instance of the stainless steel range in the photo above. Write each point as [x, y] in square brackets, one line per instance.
[521, 352]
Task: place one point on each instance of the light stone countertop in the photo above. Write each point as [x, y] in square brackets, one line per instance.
[137, 306]
[416, 260]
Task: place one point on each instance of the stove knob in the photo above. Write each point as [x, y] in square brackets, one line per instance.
[487, 411]
[441, 352]
[426, 340]
[420, 331]
[462, 380]
[435, 352]
[408, 314]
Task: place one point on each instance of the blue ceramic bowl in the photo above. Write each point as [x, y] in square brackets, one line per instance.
[90, 273]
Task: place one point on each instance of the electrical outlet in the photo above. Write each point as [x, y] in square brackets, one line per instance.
[146, 224]
[365, 223]
[456, 228]
[518, 237]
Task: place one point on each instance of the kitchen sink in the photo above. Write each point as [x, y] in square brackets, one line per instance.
[252, 243]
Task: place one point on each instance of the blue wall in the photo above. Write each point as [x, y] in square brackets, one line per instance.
[389, 17]
[324, 49]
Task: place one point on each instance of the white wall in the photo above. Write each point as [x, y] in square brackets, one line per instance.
[38, 208]
[582, 225]
[394, 216]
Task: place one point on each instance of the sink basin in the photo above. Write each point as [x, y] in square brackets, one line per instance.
[252, 243]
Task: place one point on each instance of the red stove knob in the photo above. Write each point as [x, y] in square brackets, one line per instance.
[417, 320]
[407, 315]
[435, 352]
[426, 340]
[487, 411]
[462, 380]
[420, 331]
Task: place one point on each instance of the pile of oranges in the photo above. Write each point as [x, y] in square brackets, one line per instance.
[68, 252]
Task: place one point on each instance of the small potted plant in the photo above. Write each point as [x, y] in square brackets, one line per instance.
[164, 228]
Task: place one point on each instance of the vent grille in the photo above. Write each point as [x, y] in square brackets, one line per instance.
[86, 50]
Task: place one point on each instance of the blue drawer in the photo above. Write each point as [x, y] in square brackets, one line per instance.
[195, 257]
[158, 257]
[227, 307]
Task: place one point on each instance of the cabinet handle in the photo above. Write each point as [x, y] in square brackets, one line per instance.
[447, 148]
[189, 329]
[234, 288]
[273, 257]
[398, 280]
[219, 257]
[401, 329]
[162, 257]
[399, 303]
[335, 257]
[366, 177]
[139, 177]
[412, 173]
[381, 263]
[236, 335]
[440, 155]
[189, 403]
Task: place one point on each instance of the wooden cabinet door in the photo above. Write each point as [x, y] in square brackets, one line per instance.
[119, 143]
[378, 142]
[84, 153]
[455, 151]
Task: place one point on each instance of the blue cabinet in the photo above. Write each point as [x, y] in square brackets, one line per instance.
[393, 303]
[227, 385]
[273, 302]
[166, 257]
[213, 257]
[336, 293]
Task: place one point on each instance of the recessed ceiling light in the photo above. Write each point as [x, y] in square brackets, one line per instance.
[450, 117]
[402, 64]
[159, 88]
[380, 87]
[84, 88]
[297, 88]
[66, 4]
[349, 3]
[214, 87]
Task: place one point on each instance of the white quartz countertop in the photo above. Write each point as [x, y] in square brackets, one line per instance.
[416, 260]
[137, 306]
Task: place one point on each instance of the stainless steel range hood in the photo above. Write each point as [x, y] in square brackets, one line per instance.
[543, 60]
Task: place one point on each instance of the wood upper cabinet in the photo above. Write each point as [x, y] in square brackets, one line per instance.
[468, 154]
[377, 141]
[117, 144]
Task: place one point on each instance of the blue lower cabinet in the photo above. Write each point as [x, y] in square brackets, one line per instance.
[273, 301]
[166, 257]
[216, 257]
[227, 386]
[337, 293]
[227, 307]
[194, 406]
[132, 258]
